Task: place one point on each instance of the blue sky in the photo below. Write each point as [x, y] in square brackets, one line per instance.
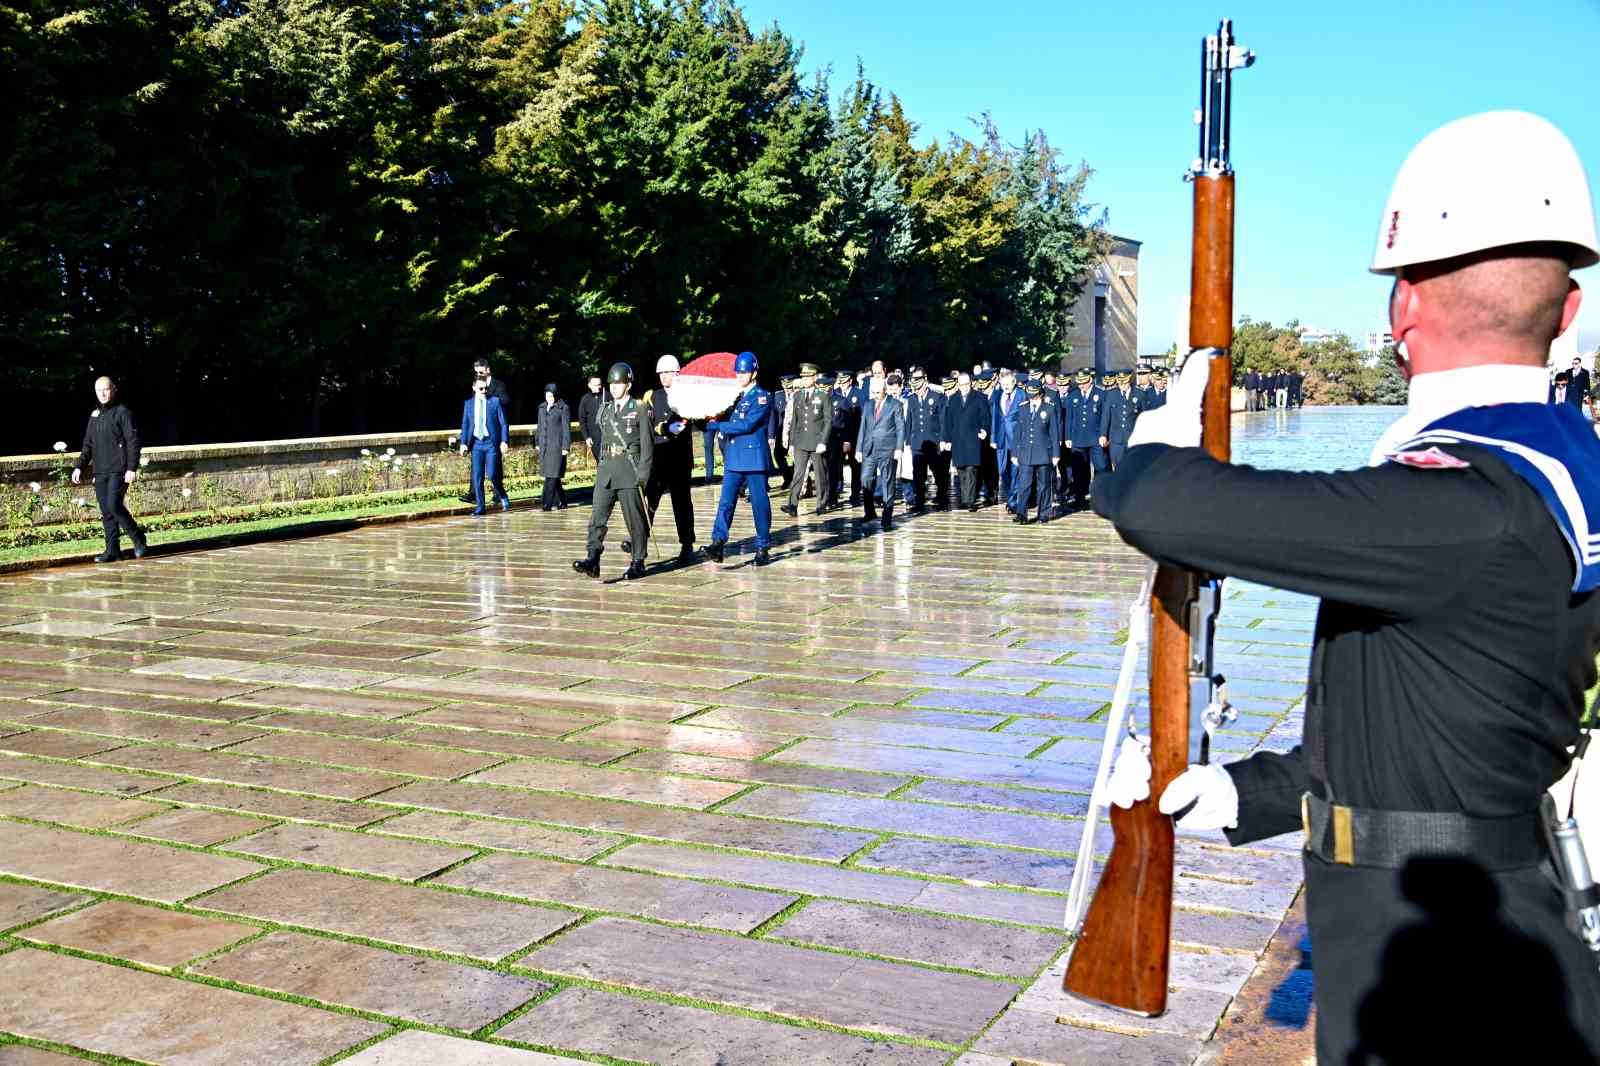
[1337, 97]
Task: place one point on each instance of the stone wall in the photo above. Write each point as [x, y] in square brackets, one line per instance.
[1106, 336]
[208, 476]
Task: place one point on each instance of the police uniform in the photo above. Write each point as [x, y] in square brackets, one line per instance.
[1117, 416]
[845, 422]
[746, 462]
[1082, 431]
[808, 429]
[924, 427]
[1035, 452]
[1156, 395]
[627, 451]
[1454, 642]
[780, 411]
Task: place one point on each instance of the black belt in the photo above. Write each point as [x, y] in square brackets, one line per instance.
[1351, 836]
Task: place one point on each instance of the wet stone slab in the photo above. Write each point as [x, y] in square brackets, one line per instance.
[416, 1048]
[184, 826]
[405, 860]
[610, 784]
[64, 807]
[921, 938]
[231, 769]
[104, 864]
[57, 745]
[411, 987]
[765, 772]
[842, 990]
[396, 914]
[114, 1010]
[146, 935]
[506, 836]
[274, 804]
[596, 1022]
[20, 904]
[368, 755]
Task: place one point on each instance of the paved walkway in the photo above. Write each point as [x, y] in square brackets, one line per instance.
[423, 794]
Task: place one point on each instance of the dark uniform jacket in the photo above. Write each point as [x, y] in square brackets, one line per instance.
[810, 419]
[110, 441]
[626, 447]
[589, 416]
[963, 418]
[674, 451]
[924, 418]
[846, 421]
[1153, 398]
[1037, 437]
[780, 410]
[1083, 417]
[1118, 414]
[555, 437]
[883, 429]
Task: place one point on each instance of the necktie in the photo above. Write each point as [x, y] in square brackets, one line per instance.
[480, 430]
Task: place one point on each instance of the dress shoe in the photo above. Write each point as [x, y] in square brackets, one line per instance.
[110, 555]
[792, 512]
[505, 503]
[888, 524]
[589, 565]
[1019, 520]
[477, 512]
[715, 550]
[972, 508]
[686, 555]
[763, 556]
[465, 497]
[635, 571]
[627, 546]
[140, 550]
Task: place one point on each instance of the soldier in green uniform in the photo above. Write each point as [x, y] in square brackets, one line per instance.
[626, 454]
[806, 429]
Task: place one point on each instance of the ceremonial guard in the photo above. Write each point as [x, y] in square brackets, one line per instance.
[554, 438]
[1082, 430]
[746, 461]
[1035, 454]
[924, 429]
[878, 444]
[1456, 635]
[780, 412]
[1117, 416]
[808, 429]
[627, 450]
[672, 473]
[965, 437]
[846, 422]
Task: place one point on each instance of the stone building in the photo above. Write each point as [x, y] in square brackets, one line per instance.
[1105, 319]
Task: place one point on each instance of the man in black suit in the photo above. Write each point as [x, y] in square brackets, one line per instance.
[1252, 391]
[497, 389]
[1578, 380]
[589, 417]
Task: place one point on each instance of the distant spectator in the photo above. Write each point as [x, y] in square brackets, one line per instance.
[480, 372]
[555, 437]
[111, 448]
[589, 418]
[1563, 392]
[485, 433]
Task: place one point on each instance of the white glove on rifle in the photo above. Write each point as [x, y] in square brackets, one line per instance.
[1177, 422]
[1210, 788]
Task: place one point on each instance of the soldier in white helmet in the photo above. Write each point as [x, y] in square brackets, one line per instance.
[1457, 631]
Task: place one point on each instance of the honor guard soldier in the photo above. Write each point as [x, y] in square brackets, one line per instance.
[1456, 635]
[1117, 416]
[924, 427]
[1084, 455]
[746, 461]
[627, 449]
[673, 470]
[1035, 454]
[842, 439]
[808, 430]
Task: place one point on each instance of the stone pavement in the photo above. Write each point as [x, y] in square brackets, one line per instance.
[422, 794]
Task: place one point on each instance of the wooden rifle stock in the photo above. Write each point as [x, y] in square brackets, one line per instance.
[1122, 953]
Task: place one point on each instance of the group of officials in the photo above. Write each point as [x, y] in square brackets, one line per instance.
[1265, 389]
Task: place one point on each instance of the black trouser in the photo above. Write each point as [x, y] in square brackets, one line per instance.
[780, 462]
[109, 491]
[1407, 961]
[836, 464]
[554, 495]
[632, 514]
[855, 478]
[989, 474]
[1079, 464]
[673, 479]
[924, 457]
[1033, 489]
[804, 463]
[941, 477]
[967, 485]
[1114, 454]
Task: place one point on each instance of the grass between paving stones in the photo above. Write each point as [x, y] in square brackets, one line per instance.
[67, 1050]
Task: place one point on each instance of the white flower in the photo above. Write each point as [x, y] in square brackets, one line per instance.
[81, 502]
[47, 508]
[144, 460]
[389, 452]
[366, 451]
[60, 445]
[333, 473]
[383, 459]
[187, 493]
[33, 486]
[189, 474]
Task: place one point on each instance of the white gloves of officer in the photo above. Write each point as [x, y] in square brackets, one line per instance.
[1209, 788]
[1177, 422]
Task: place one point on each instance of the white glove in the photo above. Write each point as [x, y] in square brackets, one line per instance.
[1210, 788]
[1178, 422]
[1130, 774]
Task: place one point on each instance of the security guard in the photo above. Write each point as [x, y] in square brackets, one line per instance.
[1034, 454]
[673, 470]
[808, 430]
[1084, 454]
[1457, 631]
[841, 440]
[1117, 416]
[745, 460]
[626, 453]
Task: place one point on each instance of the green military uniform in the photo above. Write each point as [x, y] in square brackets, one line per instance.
[809, 425]
[626, 454]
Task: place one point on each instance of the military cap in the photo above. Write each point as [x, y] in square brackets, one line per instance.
[986, 375]
[808, 369]
[1161, 373]
[918, 372]
[951, 378]
[620, 372]
[1033, 388]
[1085, 374]
[1124, 373]
[826, 378]
[1143, 368]
[786, 378]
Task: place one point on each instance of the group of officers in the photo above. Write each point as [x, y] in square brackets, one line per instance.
[1026, 439]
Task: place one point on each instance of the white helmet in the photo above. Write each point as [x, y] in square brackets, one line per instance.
[666, 363]
[1486, 181]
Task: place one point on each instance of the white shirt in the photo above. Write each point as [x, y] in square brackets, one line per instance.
[1432, 396]
[479, 428]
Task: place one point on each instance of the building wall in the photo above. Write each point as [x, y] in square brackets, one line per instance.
[1106, 335]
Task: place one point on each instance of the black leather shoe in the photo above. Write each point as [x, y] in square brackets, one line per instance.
[686, 555]
[466, 497]
[763, 556]
[635, 571]
[888, 524]
[792, 512]
[972, 508]
[140, 550]
[590, 565]
[627, 546]
[1019, 520]
[108, 556]
[715, 550]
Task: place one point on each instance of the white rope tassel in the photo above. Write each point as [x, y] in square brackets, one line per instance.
[1116, 719]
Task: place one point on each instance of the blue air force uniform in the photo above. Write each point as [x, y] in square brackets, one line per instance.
[746, 461]
[1036, 451]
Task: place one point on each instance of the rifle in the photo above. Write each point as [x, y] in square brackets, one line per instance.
[1121, 956]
